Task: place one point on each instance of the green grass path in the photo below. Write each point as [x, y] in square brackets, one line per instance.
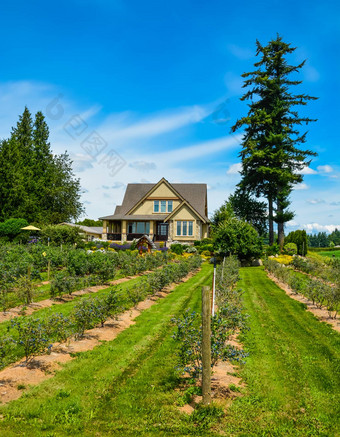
[293, 370]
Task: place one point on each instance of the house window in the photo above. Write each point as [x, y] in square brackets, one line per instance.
[139, 228]
[162, 206]
[185, 228]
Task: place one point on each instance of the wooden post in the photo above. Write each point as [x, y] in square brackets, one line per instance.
[214, 289]
[206, 346]
[48, 269]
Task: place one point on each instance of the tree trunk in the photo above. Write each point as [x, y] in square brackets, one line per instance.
[270, 221]
[280, 226]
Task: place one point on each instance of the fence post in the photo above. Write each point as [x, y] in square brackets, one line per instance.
[206, 345]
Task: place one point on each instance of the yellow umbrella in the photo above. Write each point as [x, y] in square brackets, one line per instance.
[31, 228]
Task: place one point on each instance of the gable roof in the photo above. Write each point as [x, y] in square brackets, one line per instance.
[194, 194]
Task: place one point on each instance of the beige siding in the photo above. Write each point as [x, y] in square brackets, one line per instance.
[147, 207]
[185, 213]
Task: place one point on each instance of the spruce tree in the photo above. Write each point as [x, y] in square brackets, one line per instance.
[35, 184]
[271, 158]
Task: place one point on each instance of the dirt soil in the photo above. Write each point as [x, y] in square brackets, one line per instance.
[320, 313]
[46, 303]
[224, 375]
[18, 376]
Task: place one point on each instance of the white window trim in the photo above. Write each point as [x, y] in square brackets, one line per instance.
[167, 211]
[181, 222]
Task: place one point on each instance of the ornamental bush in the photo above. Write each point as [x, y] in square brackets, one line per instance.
[290, 249]
[237, 237]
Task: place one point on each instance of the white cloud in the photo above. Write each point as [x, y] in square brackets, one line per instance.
[315, 201]
[143, 166]
[114, 130]
[325, 169]
[117, 185]
[81, 162]
[302, 186]
[196, 151]
[233, 83]
[308, 170]
[335, 203]
[235, 168]
[310, 227]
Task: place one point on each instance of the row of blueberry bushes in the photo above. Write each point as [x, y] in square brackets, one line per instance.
[316, 290]
[30, 336]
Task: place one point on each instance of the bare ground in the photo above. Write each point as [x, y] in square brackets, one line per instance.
[15, 378]
[321, 313]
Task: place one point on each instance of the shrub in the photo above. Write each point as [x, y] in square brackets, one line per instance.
[290, 249]
[237, 237]
[58, 327]
[177, 248]
[24, 289]
[11, 229]
[62, 234]
[300, 239]
[31, 335]
[272, 250]
[84, 316]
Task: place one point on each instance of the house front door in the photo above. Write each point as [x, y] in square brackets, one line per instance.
[162, 231]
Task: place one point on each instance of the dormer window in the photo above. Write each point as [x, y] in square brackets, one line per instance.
[162, 206]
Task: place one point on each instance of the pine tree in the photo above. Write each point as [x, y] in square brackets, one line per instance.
[35, 184]
[271, 159]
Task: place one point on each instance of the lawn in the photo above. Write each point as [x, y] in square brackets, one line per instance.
[126, 387]
[330, 253]
[292, 372]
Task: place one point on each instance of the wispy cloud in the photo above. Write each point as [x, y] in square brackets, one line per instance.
[152, 126]
[235, 168]
[325, 169]
[143, 166]
[315, 201]
[198, 150]
[81, 162]
[301, 186]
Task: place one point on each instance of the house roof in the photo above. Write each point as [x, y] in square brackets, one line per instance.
[135, 217]
[194, 194]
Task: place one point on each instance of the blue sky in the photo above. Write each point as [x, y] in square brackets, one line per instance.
[158, 85]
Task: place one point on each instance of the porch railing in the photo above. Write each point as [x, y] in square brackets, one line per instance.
[115, 237]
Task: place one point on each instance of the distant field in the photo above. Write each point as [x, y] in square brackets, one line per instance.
[330, 253]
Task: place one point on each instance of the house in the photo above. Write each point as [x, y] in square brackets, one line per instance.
[163, 211]
[90, 232]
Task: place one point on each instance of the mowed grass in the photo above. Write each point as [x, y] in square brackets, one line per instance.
[331, 253]
[293, 370]
[123, 387]
[127, 387]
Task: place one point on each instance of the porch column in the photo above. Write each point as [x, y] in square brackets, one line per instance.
[151, 228]
[123, 230]
[104, 235]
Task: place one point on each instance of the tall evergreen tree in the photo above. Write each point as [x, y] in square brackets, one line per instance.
[271, 159]
[35, 184]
